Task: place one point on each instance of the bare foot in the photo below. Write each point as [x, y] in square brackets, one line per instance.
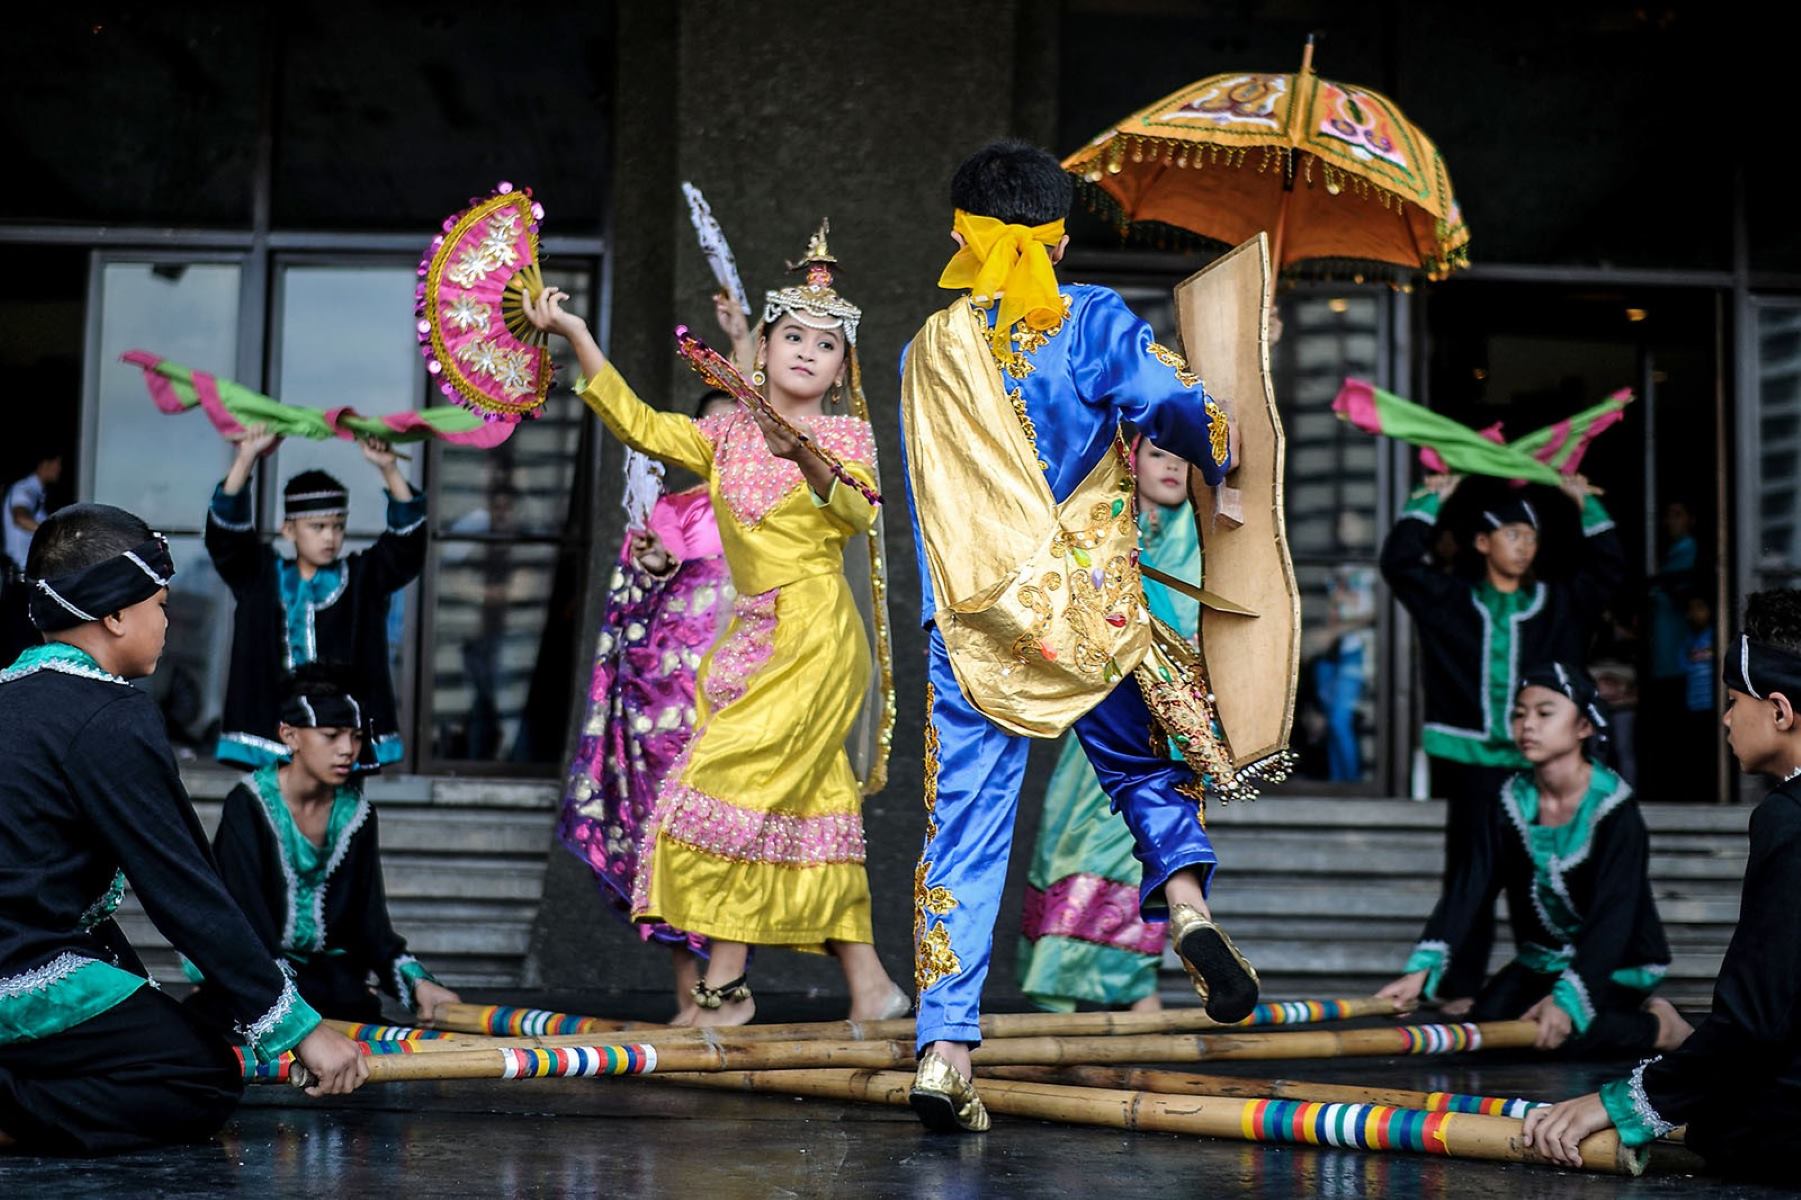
[1672, 1030]
[1459, 1007]
[877, 1004]
[956, 1054]
[733, 1012]
[685, 1014]
[1150, 1003]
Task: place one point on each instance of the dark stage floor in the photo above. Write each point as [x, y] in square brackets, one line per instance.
[611, 1137]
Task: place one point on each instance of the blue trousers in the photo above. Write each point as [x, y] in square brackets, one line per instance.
[973, 772]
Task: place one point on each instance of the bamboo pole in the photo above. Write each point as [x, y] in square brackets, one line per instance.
[506, 1021]
[1188, 1083]
[1354, 1126]
[1073, 1050]
[427, 1060]
[542, 1025]
[359, 1031]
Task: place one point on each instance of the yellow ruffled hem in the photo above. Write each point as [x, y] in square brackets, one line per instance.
[759, 904]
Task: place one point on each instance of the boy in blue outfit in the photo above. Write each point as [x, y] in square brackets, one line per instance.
[1021, 493]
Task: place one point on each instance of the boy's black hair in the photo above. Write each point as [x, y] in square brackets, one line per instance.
[80, 536]
[709, 396]
[1772, 617]
[312, 481]
[319, 678]
[1015, 182]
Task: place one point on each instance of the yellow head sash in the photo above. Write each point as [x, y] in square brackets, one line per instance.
[1012, 262]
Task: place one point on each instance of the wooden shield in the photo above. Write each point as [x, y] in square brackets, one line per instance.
[1253, 662]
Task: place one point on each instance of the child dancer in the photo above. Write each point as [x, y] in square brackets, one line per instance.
[92, 1058]
[1736, 1082]
[318, 605]
[299, 849]
[1566, 842]
[1020, 487]
[757, 834]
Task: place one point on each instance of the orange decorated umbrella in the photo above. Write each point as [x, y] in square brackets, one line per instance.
[1335, 172]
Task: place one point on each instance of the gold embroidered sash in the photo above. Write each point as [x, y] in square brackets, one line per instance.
[1040, 604]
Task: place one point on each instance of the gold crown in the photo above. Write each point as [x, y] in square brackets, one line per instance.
[815, 303]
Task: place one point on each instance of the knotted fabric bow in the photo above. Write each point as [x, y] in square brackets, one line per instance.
[1012, 262]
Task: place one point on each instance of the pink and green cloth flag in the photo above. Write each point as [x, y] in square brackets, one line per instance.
[232, 407]
[1548, 456]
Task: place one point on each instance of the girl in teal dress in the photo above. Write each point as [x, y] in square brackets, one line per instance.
[1084, 941]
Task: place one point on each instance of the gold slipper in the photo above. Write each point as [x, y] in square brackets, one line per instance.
[1224, 980]
[946, 1099]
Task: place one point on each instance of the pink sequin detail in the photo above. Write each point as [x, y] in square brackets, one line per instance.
[753, 481]
[751, 835]
[1091, 909]
[746, 647]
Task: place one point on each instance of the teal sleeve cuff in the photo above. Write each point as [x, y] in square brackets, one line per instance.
[1423, 505]
[280, 1029]
[232, 512]
[1595, 518]
[404, 516]
[407, 972]
[1571, 995]
[1432, 958]
[1630, 1110]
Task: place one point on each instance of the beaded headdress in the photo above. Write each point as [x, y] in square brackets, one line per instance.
[815, 303]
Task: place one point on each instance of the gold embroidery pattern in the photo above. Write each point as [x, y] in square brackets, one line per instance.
[934, 960]
[1174, 362]
[1219, 437]
[1037, 597]
[932, 953]
[1027, 340]
[931, 764]
[1017, 399]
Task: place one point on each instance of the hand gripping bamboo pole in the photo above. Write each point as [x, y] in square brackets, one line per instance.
[500, 1061]
[1353, 1126]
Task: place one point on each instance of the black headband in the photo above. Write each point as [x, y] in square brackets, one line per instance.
[1758, 668]
[106, 587]
[322, 712]
[325, 502]
[1578, 689]
[1515, 510]
[340, 711]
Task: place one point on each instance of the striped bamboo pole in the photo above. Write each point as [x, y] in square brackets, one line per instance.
[358, 1031]
[529, 1022]
[502, 1020]
[1188, 1083]
[1260, 1119]
[503, 1061]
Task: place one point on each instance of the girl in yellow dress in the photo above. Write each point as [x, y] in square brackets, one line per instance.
[757, 833]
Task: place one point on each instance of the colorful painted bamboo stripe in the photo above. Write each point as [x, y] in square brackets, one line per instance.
[1364, 1126]
[1439, 1039]
[502, 1020]
[1298, 1012]
[277, 1071]
[391, 1033]
[1489, 1106]
[518, 1062]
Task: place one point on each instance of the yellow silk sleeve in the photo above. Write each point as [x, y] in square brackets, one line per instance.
[846, 506]
[671, 437]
